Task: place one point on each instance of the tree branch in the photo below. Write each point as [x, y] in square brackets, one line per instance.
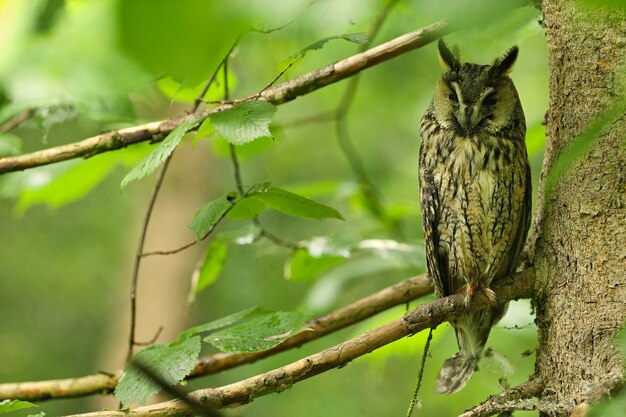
[495, 404]
[397, 294]
[520, 285]
[279, 94]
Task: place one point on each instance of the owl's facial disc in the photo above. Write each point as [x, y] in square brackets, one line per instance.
[469, 114]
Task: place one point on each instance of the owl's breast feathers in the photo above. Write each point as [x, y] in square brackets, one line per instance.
[480, 216]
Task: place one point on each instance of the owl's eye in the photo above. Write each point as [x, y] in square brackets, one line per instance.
[452, 96]
[490, 100]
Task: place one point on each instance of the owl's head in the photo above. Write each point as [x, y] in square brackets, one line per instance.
[470, 98]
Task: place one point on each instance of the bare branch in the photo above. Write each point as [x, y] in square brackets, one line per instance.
[60, 388]
[520, 285]
[397, 294]
[279, 94]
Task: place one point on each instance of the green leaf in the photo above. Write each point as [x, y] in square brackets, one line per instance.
[296, 205]
[247, 208]
[205, 130]
[207, 217]
[10, 144]
[172, 362]
[223, 322]
[304, 267]
[211, 265]
[259, 333]
[244, 122]
[155, 158]
[8, 406]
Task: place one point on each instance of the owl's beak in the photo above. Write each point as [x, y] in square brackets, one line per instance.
[468, 117]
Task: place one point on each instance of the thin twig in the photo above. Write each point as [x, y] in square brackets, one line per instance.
[275, 239]
[138, 256]
[153, 340]
[519, 285]
[355, 312]
[280, 74]
[420, 374]
[206, 87]
[279, 94]
[16, 120]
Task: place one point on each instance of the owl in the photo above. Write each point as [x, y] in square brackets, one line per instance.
[475, 194]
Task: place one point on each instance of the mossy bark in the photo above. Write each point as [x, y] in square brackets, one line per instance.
[580, 255]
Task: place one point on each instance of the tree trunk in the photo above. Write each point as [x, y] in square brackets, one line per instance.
[580, 255]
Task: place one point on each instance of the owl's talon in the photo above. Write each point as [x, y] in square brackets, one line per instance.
[491, 295]
[470, 290]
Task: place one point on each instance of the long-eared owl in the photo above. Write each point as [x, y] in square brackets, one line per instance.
[475, 195]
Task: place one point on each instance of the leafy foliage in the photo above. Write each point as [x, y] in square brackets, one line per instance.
[211, 265]
[208, 216]
[171, 362]
[244, 122]
[250, 330]
[260, 333]
[295, 205]
[8, 406]
[155, 158]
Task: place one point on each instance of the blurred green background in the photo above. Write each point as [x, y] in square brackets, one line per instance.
[69, 235]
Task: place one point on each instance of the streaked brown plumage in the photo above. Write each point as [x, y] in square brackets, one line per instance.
[475, 194]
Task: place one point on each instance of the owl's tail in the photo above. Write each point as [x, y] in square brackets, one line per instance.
[472, 332]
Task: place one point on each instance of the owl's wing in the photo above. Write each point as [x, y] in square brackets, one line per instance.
[524, 221]
[436, 258]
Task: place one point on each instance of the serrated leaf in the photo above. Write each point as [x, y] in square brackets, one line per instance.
[8, 406]
[172, 362]
[304, 267]
[296, 205]
[212, 264]
[247, 208]
[223, 322]
[155, 158]
[207, 217]
[259, 333]
[244, 122]
[10, 144]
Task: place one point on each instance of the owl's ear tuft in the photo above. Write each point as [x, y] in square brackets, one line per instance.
[504, 64]
[448, 59]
